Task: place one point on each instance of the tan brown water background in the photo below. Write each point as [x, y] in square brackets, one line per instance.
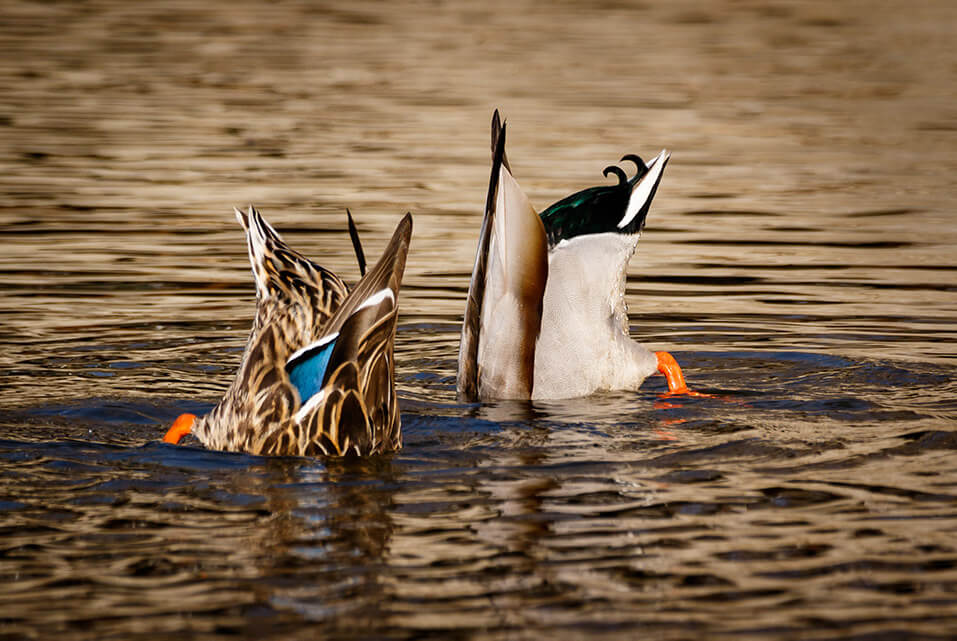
[799, 260]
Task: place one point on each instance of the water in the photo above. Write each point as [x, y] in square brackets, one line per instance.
[799, 261]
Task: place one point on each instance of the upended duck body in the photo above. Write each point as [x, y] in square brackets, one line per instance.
[318, 373]
[546, 316]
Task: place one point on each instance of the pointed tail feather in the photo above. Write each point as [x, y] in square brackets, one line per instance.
[265, 245]
[385, 274]
[282, 272]
[498, 132]
[356, 245]
[467, 380]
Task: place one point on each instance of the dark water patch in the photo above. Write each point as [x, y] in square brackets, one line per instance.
[108, 411]
[797, 301]
[750, 449]
[827, 22]
[731, 212]
[789, 497]
[914, 287]
[95, 228]
[876, 566]
[714, 195]
[453, 290]
[937, 126]
[691, 476]
[784, 553]
[645, 293]
[115, 286]
[826, 266]
[792, 228]
[841, 409]
[923, 441]
[903, 211]
[914, 495]
[741, 595]
[740, 242]
[713, 281]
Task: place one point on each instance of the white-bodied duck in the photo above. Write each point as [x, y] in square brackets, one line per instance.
[546, 315]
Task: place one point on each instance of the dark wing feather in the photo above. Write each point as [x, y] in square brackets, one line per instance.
[467, 380]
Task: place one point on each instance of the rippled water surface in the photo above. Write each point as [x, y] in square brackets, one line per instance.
[799, 261]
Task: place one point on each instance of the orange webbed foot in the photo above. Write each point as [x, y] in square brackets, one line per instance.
[181, 427]
[668, 366]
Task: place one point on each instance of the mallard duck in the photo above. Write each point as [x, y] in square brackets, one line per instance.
[318, 375]
[545, 316]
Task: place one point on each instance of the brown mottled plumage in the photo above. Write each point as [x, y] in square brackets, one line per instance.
[300, 308]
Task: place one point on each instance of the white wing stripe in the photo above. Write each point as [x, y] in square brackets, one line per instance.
[325, 340]
[377, 298]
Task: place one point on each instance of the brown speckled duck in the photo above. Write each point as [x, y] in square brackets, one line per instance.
[318, 374]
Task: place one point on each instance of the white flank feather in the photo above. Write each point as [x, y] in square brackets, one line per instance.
[584, 345]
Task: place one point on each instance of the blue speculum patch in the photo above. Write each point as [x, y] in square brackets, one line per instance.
[307, 372]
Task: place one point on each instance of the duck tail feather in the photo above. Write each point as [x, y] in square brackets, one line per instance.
[467, 379]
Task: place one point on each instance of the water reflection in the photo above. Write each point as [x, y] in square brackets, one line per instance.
[325, 546]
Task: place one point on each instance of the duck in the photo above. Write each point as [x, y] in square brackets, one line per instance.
[546, 316]
[317, 376]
